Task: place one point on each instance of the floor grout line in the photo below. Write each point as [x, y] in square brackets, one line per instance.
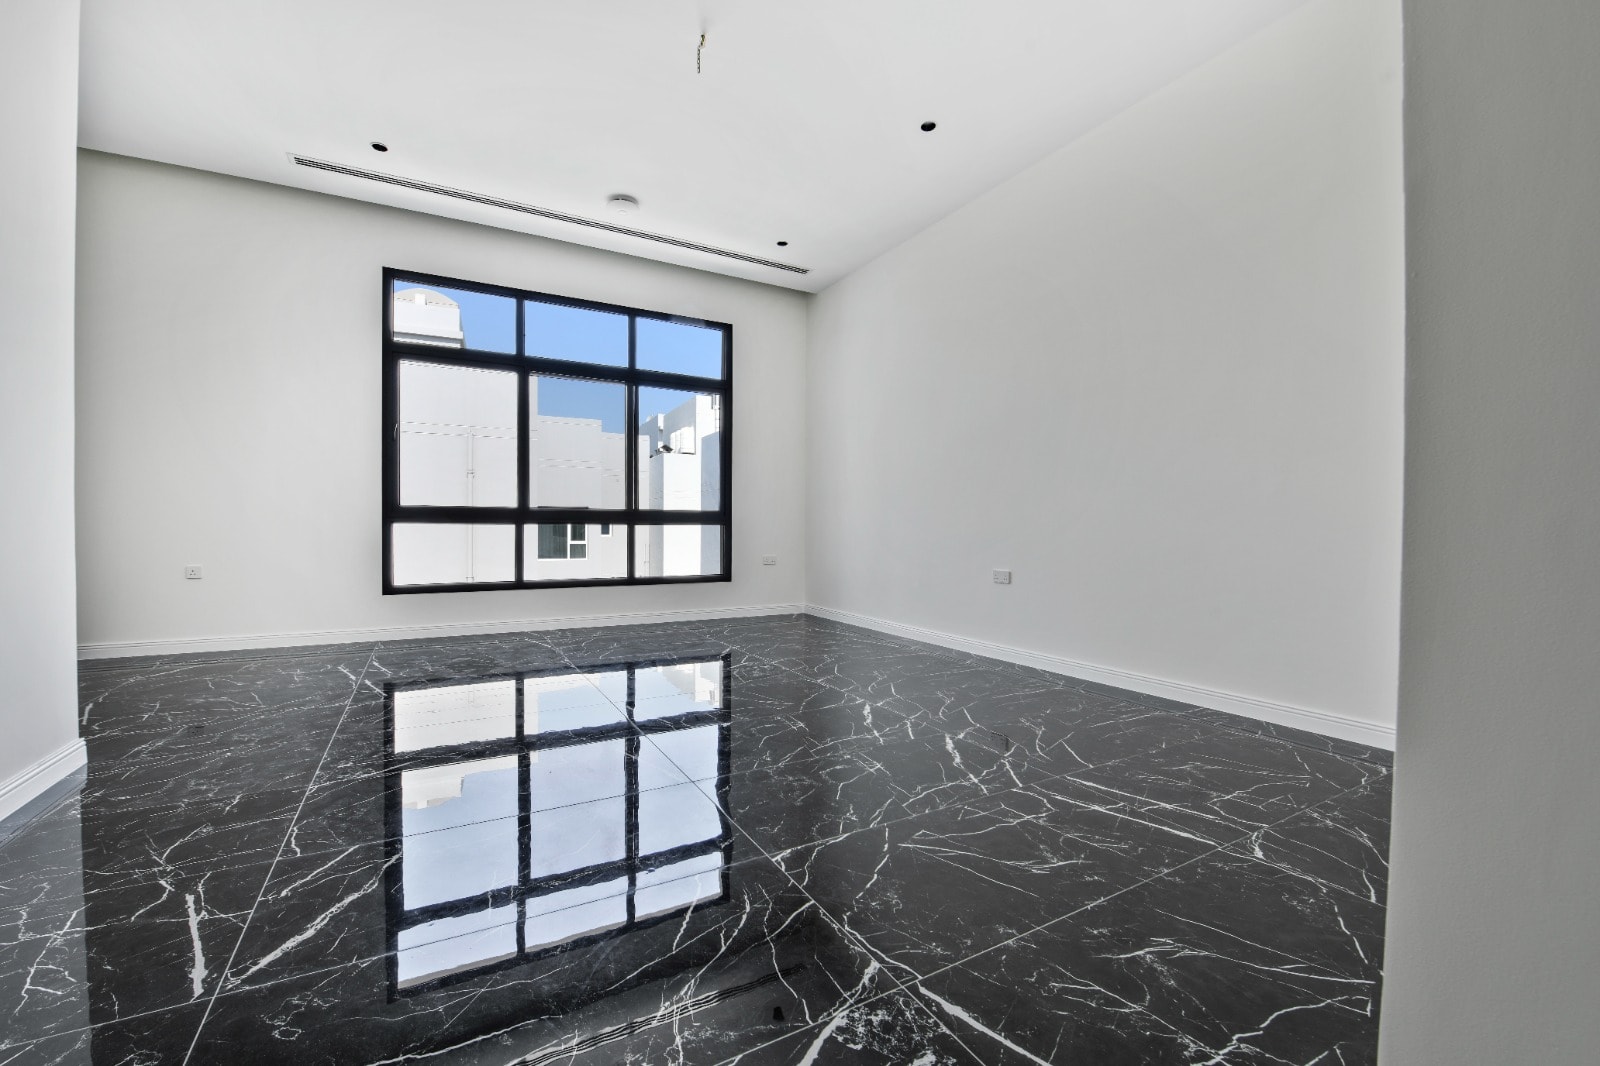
[222, 976]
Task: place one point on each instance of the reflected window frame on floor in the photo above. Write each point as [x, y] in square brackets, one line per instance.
[647, 503]
[525, 747]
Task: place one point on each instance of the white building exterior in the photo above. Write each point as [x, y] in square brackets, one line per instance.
[422, 316]
[574, 462]
[680, 469]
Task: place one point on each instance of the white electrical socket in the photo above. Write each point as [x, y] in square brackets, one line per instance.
[192, 573]
[1002, 577]
[769, 560]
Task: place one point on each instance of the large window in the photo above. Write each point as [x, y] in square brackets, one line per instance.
[533, 441]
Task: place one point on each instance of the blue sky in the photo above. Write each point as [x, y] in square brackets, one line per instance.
[680, 348]
[557, 331]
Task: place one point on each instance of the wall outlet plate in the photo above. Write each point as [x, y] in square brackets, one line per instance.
[769, 560]
[192, 573]
[1002, 577]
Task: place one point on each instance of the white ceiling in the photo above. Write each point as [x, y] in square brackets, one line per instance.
[802, 125]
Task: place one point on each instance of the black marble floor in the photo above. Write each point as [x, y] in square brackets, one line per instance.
[764, 841]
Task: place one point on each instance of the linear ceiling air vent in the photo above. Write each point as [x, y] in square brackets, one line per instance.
[529, 209]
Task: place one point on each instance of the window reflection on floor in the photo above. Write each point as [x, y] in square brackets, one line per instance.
[548, 810]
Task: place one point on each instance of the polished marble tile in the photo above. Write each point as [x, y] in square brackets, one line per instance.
[160, 941]
[153, 1039]
[1078, 731]
[219, 777]
[785, 807]
[891, 1030]
[131, 697]
[43, 978]
[248, 827]
[49, 837]
[786, 790]
[1223, 787]
[420, 663]
[774, 840]
[81, 945]
[1221, 961]
[1341, 844]
[938, 887]
[1290, 735]
[766, 929]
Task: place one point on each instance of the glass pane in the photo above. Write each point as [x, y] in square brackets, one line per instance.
[458, 436]
[683, 688]
[613, 684]
[577, 774]
[678, 885]
[566, 701]
[454, 318]
[441, 798]
[459, 826]
[453, 945]
[564, 552]
[454, 714]
[676, 815]
[577, 835]
[678, 551]
[679, 348]
[429, 553]
[690, 753]
[680, 450]
[556, 331]
[557, 917]
[575, 442]
[552, 541]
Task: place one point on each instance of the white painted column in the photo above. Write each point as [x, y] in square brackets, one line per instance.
[1493, 953]
[38, 586]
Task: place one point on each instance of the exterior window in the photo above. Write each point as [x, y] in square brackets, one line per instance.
[533, 441]
[563, 541]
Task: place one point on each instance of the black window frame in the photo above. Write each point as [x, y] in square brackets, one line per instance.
[630, 516]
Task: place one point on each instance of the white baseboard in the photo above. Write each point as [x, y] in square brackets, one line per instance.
[1334, 725]
[119, 649]
[35, 780]
[1357, 730]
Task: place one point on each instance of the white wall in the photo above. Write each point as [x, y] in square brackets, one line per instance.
[39, 127]
[229, 416]
[1494, 934]
[1158, 375]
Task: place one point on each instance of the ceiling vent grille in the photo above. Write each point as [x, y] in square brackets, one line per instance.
[529, 209]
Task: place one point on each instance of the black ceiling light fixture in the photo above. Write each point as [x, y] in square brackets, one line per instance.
[379, 146]
[929, 127]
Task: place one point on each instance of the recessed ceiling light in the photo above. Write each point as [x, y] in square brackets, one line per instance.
[622, 204]
[929, 127]
[379, 146]
[783, 244]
